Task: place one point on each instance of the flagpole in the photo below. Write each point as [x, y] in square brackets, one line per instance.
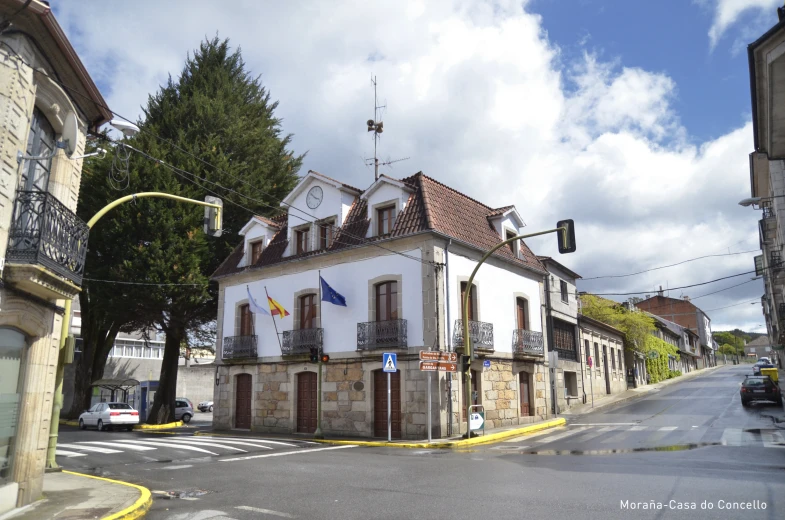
[318, 433]
[273, 318]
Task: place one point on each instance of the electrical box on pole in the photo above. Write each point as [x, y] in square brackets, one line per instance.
[566, 236]
[213, 217]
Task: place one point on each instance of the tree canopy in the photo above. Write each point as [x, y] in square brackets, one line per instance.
[635, 325]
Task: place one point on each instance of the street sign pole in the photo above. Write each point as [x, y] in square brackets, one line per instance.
[389, 410]
[428, 422]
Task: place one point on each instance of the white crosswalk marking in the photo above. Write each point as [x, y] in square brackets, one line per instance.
[66, 453]
[96, 449]
[200, 443]
[246, 439]
[118, 444]
[772, 439]
[221, 441]
[563, 435]
[172, 445]
[638, 428]
[668, 428]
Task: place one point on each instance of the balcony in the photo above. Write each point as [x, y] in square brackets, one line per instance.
[45, 234]
[768, 212]
[781, 312]
[480, 332]
[775, 262]
[239, 347]
[374, 335]
[527, 343]
[301, 341]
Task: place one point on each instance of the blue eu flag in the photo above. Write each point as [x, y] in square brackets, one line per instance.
[330, 295]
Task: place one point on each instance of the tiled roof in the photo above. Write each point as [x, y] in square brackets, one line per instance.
[268, 221]
[335, 180]
[432, 206]
[500, 211]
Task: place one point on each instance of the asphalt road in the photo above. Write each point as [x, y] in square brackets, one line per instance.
[723, 454]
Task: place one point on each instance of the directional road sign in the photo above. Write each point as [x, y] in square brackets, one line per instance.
[438, 366]
[390, 362]
[429, 355]
[476, 420]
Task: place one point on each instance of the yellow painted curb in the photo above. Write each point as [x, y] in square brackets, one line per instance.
[158, 426]
[69, 423]
[137, 510]
[485, 439]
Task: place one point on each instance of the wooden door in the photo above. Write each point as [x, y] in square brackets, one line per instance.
[605, 366]
[472, 301]
[306, 402]
[242, 408]
[520, 313]
[380, 404]
[524, 394]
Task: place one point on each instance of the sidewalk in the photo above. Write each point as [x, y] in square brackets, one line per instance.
[491, 435]
[633, 393]
[76, 496]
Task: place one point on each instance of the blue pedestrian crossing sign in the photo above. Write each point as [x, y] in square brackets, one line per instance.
[390, 362]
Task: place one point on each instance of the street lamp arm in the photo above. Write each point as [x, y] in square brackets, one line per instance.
[465, 313]
[144, 194]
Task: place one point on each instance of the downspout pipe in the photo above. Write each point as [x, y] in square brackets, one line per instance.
[549, 331]
[448, 341]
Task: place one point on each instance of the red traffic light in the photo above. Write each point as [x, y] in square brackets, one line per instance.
[325, 358]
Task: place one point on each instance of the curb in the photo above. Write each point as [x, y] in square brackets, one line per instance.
[69, 423]
[137, 510]
[485, 439]
[167, 426]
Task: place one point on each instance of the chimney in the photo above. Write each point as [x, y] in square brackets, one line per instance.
[686, 298]
[659, 293]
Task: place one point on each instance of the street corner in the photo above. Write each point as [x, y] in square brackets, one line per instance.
[158, 427]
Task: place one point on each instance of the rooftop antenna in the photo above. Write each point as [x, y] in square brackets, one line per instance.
[377, 127]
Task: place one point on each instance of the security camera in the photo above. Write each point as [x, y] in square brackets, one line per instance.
[128, 129]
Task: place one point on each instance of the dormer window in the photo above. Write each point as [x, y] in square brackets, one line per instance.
[385, 218]
[301, 240]
[256, 251]
[326, 232]
[508, 235]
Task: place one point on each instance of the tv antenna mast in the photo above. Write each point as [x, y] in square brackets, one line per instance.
[377, 127]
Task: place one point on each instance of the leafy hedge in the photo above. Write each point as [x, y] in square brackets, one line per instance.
[657, 367]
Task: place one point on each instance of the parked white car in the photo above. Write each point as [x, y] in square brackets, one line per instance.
[109, 415]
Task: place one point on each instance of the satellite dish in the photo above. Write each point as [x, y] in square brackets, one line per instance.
[70, 134]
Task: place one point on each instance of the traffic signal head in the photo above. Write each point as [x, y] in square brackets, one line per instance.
[566, 236]
[213, 217]
[325, 358]
[314, 355]
[465, 364]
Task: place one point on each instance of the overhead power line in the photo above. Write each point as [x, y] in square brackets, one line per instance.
[666, 266]
[673, 288]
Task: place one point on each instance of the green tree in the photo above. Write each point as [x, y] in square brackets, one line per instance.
[635, 325]
[727, 349]
[215, 125]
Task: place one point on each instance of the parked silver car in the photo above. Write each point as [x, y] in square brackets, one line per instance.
[205, 406]
[109, 415]
[183, 410]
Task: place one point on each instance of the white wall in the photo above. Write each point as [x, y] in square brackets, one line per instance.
[339, 323]
[256, 230]
[386, 192]
[571, 307]
[496, 292]
[333, 205]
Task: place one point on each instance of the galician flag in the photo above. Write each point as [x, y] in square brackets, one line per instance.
[255, 307]
[276, 308]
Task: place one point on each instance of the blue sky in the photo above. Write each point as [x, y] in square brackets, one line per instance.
[631, 117]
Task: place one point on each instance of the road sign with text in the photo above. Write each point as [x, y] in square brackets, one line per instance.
[438, 366]
[429, 355]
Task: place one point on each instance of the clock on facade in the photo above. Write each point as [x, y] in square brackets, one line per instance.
[314, 197]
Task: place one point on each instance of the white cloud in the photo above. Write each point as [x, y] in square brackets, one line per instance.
[727, 12]
[481, 99]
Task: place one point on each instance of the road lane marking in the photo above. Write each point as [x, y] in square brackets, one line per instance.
[66, 453]
[562, 435]
[605, 424]
[213, 444]
[668, 428]
[282, 453]
[637, 428]
[607, 429]
[241, 443]
[178, 467]
[89, 448]
[265, 511]
[250, 439]
[172, 445]
[119, 445]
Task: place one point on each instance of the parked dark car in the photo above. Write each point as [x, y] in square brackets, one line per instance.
[759, 388]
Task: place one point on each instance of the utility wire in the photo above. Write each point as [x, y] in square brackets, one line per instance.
[734, 305]
[142, 283]
[672, 288]
[671, 265]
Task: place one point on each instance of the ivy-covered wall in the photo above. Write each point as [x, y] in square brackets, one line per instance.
[657, 366]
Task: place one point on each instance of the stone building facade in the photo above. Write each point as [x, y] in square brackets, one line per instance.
[42, 241]
[400, 252]
[605, 344]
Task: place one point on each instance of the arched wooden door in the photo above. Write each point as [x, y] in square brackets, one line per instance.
[242, 403]
[306, 402]
[380, 404]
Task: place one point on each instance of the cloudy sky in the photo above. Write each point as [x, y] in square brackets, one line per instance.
[633, 118]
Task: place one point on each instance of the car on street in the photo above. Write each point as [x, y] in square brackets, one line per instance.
[764, 360]
[757, 366]
[759, 388]
[205, 406]
[183, 410]
[109, 416]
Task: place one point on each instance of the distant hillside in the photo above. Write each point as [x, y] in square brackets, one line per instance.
[747, 336]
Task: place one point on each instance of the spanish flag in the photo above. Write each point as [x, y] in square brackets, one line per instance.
[276, 308]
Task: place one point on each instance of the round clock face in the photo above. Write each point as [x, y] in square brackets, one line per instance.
[314, 197]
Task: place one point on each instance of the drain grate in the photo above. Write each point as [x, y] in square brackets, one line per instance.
[181, 493]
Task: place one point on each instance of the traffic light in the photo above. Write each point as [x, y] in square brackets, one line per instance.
[566, 236]
[314, 355]
[464, 364]
[325, 358]
[213, 217]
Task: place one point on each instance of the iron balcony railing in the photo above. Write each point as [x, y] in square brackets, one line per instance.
[768, 212]
[239, 347]
[301, 341]
[373, 335]
[776, 261]
[480, 332]
[527, 342]
[781, 313]
[45, 232]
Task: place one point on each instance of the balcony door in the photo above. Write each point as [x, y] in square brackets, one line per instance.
[40, 142]
[308, 311]
[472, 301]
[520, 313]
[246, 321]
[387, 301]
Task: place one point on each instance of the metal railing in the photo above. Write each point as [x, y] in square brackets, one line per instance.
[382, 334]
[480, 332]
[527, 342]
[776, 261]
[239, 347]
[44, 231]
[768, 212]
[301, 341]
[781, 313]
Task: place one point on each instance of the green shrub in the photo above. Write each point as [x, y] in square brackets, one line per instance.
[657, 367]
